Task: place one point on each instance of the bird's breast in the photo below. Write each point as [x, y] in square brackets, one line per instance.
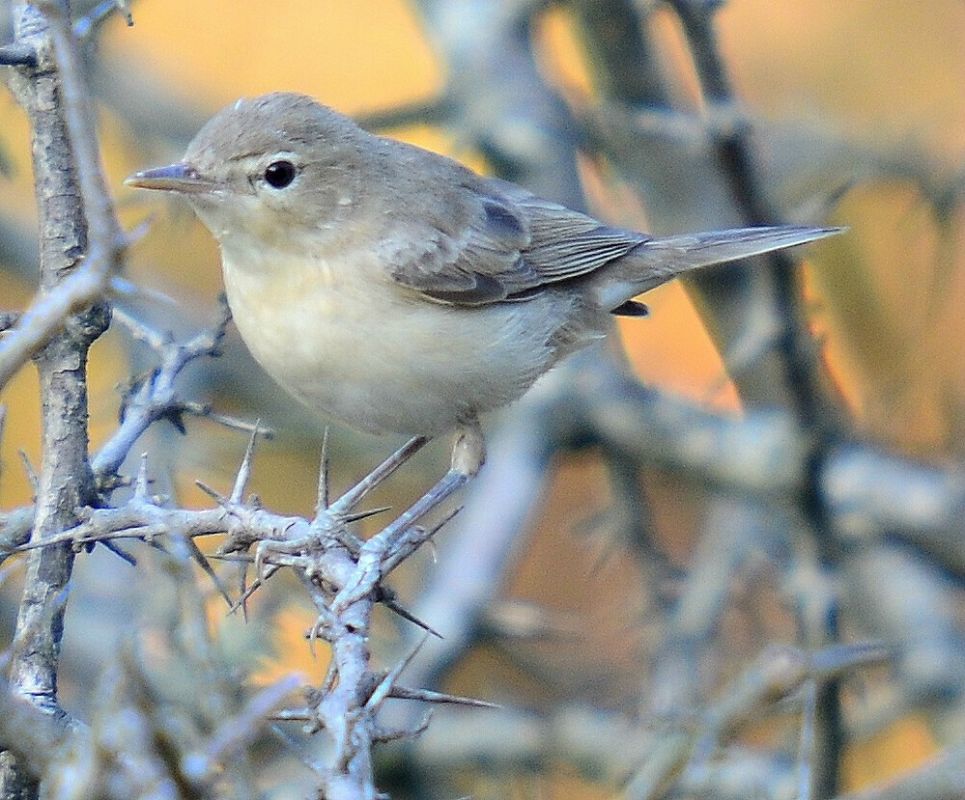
[346, 341]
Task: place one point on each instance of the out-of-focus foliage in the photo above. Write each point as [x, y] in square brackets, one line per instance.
[857, 116]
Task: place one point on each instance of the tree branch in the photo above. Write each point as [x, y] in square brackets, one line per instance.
[67, 183]
[67, 287]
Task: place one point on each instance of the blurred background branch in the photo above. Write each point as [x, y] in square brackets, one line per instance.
[631, 565]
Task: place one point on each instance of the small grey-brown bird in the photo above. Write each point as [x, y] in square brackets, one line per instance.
[397, 290]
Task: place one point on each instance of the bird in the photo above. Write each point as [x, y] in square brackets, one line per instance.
[396, 290]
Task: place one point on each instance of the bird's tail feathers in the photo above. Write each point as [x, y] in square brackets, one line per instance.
[659, 260]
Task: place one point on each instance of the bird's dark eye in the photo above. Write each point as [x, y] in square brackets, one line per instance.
[278, 174]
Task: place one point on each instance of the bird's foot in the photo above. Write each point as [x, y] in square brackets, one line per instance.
[394, 542]
[384, 551]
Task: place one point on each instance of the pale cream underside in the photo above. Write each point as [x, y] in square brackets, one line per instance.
[346, 341]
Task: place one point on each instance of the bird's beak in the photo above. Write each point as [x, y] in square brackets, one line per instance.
[180, 177]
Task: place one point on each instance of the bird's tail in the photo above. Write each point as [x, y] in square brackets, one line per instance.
[659, 260]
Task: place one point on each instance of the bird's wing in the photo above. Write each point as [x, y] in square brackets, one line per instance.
[498, 242]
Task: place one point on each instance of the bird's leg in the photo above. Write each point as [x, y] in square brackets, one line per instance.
[468, 455]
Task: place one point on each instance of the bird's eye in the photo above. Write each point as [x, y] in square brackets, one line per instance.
[279, 174]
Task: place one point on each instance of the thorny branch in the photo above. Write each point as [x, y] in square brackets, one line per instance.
[324, 555]
[322, 552]
[154, 396]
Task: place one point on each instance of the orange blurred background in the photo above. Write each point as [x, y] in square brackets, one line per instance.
[888, 75]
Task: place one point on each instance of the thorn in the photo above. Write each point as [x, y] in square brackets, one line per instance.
[429, 696]
[387, 598]
[239, 557]
[419, 536]
[321, 502]
[385, 685]
[443, 521]
[220, 499]
[313, 634]
[31, 473]
[205, 565]
[261, 552]
[232, 423]
[242, 591]
[348, 540]
[175, 415]
[357, 515]
[244, 471]
[118, 551]
[256, 584]
[354, 496]
[384, 735]
[312, 638]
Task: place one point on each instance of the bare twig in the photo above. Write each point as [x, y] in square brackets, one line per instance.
[17, 54]
[777, 673]
[354, 496]
[155, 396]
